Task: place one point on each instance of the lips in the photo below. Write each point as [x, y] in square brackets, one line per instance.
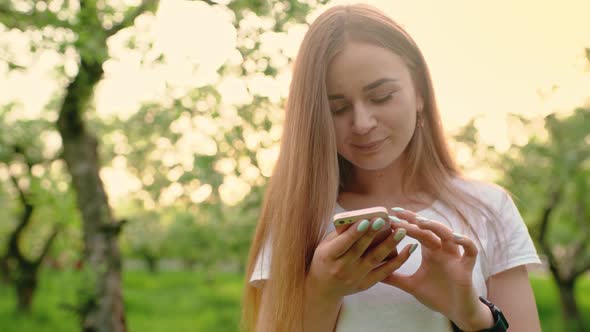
[368, 145]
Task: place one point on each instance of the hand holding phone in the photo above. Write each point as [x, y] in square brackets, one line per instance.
[342, 264]
[343, 220]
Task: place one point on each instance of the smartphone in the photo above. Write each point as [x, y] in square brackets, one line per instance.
[344, 220]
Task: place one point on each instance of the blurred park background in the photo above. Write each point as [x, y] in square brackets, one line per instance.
[137, 136]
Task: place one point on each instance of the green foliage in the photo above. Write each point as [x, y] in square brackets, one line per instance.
[35, 16]
[281, 11]
[201, 236]
[559, 161]
[21, 138]
[143, 237]
[556, 158]
[549, 176]
[23, 143]
[186, 301]
[207, 235]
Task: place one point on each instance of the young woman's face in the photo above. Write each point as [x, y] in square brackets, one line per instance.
[373, 104]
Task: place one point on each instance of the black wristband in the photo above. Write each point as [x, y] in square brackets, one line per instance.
[500, 322]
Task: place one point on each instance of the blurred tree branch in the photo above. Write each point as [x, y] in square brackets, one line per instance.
[20, 270]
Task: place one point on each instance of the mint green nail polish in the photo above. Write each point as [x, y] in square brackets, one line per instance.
[413, 247]
[378, 224]
[395, 219]
[457, 236]
[363, 225]
[399, 234]
[397, 209]
[422, 219]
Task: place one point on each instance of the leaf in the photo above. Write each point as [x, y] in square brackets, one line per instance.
[14, 66]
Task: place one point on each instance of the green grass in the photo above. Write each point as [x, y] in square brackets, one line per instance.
[185, 302]
[181, 301]
[549, 307]
[168, 301]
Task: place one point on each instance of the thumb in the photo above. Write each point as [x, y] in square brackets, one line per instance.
[401, 281]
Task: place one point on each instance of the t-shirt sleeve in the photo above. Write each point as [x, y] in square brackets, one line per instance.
[262, 267]
[514, 246]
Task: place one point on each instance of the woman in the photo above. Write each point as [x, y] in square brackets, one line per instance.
[362, 129]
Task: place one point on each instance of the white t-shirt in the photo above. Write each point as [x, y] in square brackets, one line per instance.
[387, 308]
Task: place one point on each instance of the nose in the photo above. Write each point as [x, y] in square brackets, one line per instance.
[363, 120]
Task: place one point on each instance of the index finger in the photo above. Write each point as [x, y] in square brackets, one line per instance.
[342, 242]
[330, 236]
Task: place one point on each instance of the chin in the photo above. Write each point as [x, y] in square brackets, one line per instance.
[375, 164]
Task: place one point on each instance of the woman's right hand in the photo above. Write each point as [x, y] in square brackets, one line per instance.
[342, 265]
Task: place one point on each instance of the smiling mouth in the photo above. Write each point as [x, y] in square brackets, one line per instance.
[369, 147]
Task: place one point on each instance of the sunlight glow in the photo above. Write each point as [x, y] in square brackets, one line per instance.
[487, 58]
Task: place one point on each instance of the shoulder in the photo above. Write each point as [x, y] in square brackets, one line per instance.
[496, 215]
[491, 194]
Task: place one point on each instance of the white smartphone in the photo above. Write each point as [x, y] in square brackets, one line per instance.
[343, 220]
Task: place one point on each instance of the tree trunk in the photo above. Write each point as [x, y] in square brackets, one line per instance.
[151, 263]
[26, 285]
[14, 266]
[4, 271]
[571, 314]
[104, 312]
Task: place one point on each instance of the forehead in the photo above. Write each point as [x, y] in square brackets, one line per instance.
[359, 64]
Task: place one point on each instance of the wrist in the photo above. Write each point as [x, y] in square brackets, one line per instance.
[321, 311]
[315, 294]
[481, 319]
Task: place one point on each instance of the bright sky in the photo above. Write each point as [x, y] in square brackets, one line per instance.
[486, 57]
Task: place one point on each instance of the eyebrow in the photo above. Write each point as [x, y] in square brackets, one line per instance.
[367, 87]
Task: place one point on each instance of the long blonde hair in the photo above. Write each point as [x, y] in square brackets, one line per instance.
[304, 186]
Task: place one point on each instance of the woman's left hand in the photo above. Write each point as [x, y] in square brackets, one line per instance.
[443, 282]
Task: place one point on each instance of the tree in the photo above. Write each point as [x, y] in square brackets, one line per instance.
[553, 177]
[79, 30]
[155, 132]
[20, 152]
[549, 176]
[92, 23]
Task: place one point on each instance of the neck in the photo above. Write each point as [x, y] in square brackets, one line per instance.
[376, 183]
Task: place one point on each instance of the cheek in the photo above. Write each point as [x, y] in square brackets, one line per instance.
[402, 113]
[339, 127]
[340, 130]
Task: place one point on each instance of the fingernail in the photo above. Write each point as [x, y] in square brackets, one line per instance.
[399, 234]
[363, 226]
[378, 224]
[422, 219]
[395, 219]
[413, 247]
[457, 236]
[397, 209]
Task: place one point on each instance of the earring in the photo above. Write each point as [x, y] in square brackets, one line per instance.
[419, 120]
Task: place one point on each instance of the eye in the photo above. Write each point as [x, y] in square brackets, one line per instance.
[339, 110]
[383, 99]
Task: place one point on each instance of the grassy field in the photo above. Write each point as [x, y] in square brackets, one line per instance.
[184, 302]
